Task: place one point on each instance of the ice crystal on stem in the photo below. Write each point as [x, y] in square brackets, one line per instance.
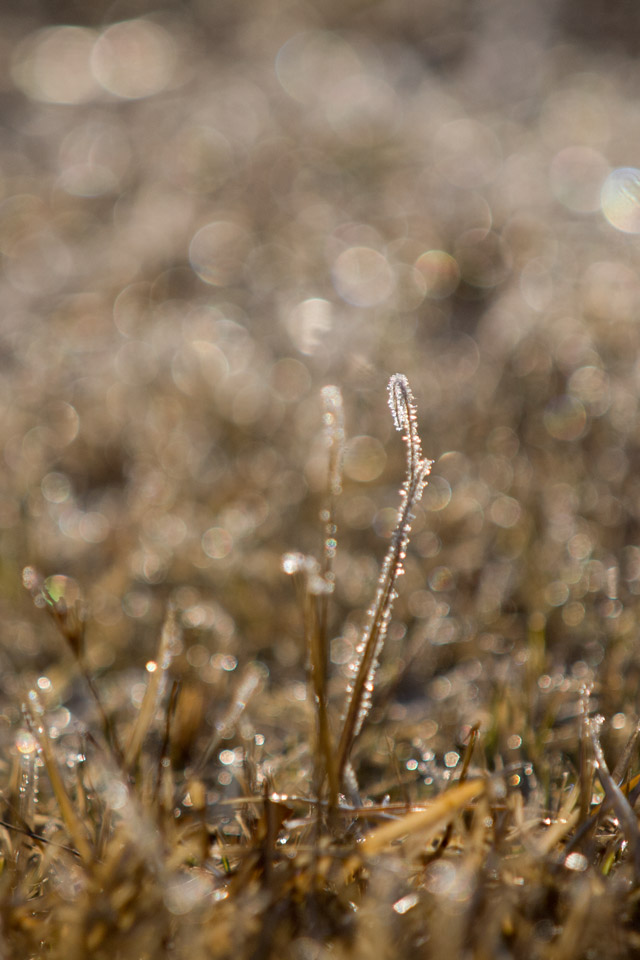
[360, 689]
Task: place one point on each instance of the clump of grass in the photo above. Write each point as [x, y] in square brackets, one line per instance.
[209, 840]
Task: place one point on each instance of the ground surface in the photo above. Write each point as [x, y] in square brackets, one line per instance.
[208, 212]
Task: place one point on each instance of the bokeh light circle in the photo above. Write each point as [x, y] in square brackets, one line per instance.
[565, 418]
[440, 271]
[133, 59]
[218, 252]
[363, 277]
[365, 459]
[53, 65]
[620, 199]
[576, 175]
[312, 65]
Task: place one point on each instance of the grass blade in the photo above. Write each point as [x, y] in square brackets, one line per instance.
[168, 640]
[430, 820]
[403, 409]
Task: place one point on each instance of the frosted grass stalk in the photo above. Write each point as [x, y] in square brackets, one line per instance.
[360, 689]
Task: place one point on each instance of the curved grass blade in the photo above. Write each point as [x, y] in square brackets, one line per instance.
[403, 410]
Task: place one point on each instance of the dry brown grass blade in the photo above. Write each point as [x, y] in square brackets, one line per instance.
[557, 832]
[247, 686]
[71, 820]
[468, 753]
[156, 676]
[315, 625]
[319, 613]
[427, 821]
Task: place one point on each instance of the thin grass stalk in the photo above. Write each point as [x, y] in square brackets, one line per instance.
[615, 797]
[245, 690]
[586, 766]
[317, 584]
[316, 637]
[621, 769]
[403, 409]
[108, 727]
[70, 818]
[334, 429]
[155, 683]
[466, 761]
[318, 615]
[71, 623]
[166, 741]
[26, 831]
[314, 589]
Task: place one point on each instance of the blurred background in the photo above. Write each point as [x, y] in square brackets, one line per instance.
[208, 211]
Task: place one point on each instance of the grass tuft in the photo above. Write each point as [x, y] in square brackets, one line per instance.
[210, 840]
